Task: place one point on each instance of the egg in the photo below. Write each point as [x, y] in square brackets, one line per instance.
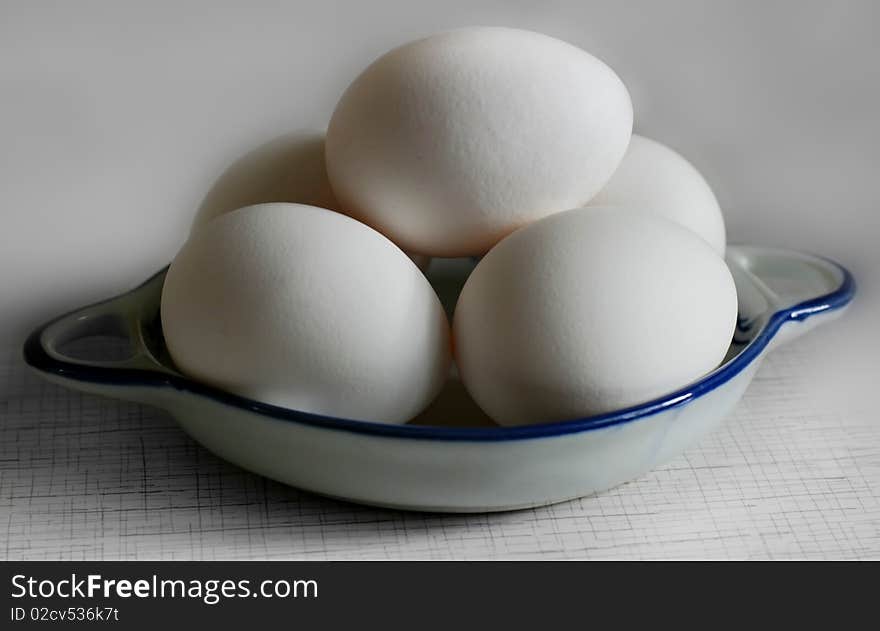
[289, 168]
[449, 143]
[654, 177]
[306, 308]
[589, 311]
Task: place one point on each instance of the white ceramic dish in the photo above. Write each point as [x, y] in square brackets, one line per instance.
[454, 469]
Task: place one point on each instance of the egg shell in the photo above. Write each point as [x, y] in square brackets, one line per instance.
[449, 143]
[656, 178]
[308, 309]
[290, 168]
[590, 311]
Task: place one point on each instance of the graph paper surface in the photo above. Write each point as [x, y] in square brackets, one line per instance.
[81, 477]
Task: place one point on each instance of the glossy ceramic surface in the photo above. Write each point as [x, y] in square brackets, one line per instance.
[450, 467]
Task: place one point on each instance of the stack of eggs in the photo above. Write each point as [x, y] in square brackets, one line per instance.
[601, 285]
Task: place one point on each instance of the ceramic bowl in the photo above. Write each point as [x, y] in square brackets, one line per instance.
[447, 468]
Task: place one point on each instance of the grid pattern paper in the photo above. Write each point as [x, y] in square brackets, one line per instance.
[83, 477]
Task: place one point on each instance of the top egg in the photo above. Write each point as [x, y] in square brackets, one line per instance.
[449, 143]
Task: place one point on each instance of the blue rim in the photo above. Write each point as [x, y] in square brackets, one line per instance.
[36, 356]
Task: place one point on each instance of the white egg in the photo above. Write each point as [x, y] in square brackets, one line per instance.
[589, 311]
[654, 177]
[308, 309]
[449, 143]
[290, 168]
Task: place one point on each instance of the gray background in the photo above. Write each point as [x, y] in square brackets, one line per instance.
[116, 117]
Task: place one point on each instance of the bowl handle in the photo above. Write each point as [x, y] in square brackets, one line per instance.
[122, 318]
[799, 290]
